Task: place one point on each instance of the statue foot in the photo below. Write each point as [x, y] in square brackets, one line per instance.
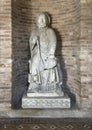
[33, 88]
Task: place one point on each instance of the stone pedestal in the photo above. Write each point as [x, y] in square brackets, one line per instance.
[45, 100]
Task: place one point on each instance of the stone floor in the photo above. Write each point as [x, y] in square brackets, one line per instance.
[47, 119]
[45, 124]
[45, 113]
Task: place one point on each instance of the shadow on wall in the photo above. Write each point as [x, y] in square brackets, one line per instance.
[65, 87]
[20, 54]
[19, 74]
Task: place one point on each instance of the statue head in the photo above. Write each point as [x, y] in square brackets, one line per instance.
[43, 20]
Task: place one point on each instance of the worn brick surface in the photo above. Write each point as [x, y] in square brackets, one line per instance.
[86, 53]
[5, 53]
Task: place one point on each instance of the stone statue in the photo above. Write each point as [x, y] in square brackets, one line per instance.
[45, 77]
[45, 73]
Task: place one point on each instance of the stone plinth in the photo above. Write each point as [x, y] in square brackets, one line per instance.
[45, 94]
[45, 102]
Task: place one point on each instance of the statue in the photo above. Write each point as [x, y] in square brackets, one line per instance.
[44, 69]
[45, 79]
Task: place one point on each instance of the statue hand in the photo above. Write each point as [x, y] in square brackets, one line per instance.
[51, 56]
[51, 62]
[35, 39]
[34, 42]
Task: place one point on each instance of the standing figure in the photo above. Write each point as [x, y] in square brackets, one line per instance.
[44, 69]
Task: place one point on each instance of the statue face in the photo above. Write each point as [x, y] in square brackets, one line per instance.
[42, 21]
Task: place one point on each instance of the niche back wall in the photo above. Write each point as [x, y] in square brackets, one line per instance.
[65, 17]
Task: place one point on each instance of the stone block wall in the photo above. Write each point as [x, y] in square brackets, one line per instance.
[5, 53]
[71, 20]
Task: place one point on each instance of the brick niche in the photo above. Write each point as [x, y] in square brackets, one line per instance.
[71, 20]
[65, 17]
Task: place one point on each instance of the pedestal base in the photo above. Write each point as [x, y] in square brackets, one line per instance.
[45, 102]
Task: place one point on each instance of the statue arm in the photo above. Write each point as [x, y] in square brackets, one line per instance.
[53, 41]
[33, 40]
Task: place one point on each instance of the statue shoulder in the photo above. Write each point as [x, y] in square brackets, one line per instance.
[34, 33]
[51, 31]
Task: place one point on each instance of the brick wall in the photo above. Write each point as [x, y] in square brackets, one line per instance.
[20, 51]
[86, 53]
[72, 24]
[5, 53]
